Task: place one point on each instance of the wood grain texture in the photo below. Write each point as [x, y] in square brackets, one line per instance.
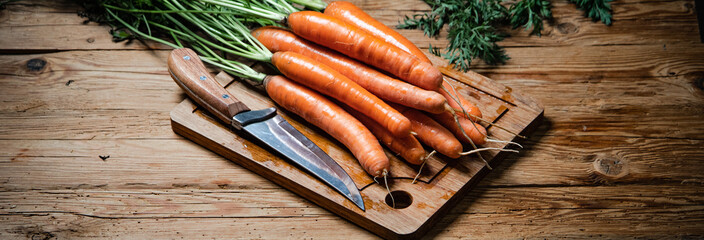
[630, 93]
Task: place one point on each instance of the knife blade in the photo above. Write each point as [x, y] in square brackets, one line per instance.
[268, 127]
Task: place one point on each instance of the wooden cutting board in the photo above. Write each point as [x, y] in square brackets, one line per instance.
[441, 184]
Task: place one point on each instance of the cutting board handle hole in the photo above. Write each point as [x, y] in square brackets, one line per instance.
[402, 199]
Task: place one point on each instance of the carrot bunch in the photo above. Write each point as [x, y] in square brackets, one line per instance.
[345, 29]
[335, 66]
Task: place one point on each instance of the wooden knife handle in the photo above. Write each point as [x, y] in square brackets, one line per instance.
[190, 74]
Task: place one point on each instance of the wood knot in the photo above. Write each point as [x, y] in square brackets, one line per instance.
[566, 28]
[43, 236]
[474, 95]
[689, 6]
[36, 64]
[606, 169]
[699, 82]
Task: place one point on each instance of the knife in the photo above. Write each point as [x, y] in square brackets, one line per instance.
[190, 74]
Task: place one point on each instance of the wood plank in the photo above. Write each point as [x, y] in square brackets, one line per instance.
[150, 203]
[600, 160]
[629, 211]
[635, 22]
[88, 227]
[107, 84]
[577, 212]
[611, 61]
[53, 26]
[42, 6]
[622, 61]
[85, 124]
[65, 37]
[64, 90]
[75, 164]
[550, 160]
[122, 61]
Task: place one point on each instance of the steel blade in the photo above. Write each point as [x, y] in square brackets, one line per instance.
[278, 134]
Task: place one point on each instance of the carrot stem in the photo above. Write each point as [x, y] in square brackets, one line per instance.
[236, 68]
[162, 11]
[282, 5]
[134, 30]
[240, 49]
[249, 9]
[312, 4]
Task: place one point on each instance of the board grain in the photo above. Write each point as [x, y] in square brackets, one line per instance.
[438, 188]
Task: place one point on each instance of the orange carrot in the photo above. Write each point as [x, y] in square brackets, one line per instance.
[353, 15]
[356, 43]
[278, 39]
[332, 119]
[431, 133]
[408, 147]
[476, 132]
[329, 82]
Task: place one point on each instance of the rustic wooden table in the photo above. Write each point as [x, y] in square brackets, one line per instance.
[87, 150]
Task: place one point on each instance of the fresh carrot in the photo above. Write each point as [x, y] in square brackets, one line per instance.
[390, 89]
[329, 82]
[356, 43]
[431, 133]
[408, 147]
[476, 132]
[350, 14]
[353, 15]
[331, 118]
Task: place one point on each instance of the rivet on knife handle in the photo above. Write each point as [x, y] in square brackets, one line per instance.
[191, 75]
